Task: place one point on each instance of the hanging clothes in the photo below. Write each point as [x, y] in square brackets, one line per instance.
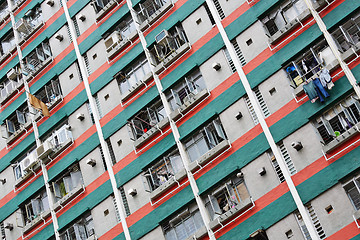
[326, 79]
[310, 91]
[320, 89]
[304, 66]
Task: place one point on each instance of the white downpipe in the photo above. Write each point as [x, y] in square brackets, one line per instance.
[263, 123]
[97, 123]
[35, 128]
[350, 76]
[183, 154]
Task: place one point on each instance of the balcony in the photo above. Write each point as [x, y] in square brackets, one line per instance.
[136, 86]
[342, 138]
[10, 89]
[68, 197]
[150, 11]
[25, 168]
[17, 4]
[29, 24]
[155, 129]
[170, 46]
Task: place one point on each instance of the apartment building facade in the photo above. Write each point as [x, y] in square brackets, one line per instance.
[180, 119]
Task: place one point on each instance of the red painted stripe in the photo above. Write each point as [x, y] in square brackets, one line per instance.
[346, 232]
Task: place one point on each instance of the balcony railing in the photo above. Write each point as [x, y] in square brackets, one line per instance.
[152, 10]
[37, 60]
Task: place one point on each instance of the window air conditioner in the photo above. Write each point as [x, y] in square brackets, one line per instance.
[112, 39]
[162, 36]
[11, 74]
[45, 149]
[22, 26]
[28, 162]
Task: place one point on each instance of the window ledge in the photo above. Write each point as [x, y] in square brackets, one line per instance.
[21, 180]
[10, 140]
[106, 9]
[68, 197]
[189, 104]
[351, 52]
[36, 221]
[212, 153]
[151, 132]
[288, 27]
[117, 47]
[231, 213]
[341, 139]
[156, 15]
[135, 88]
[172, 58]
[171, 182]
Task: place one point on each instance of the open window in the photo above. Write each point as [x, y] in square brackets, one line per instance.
[50, 94]
[226, 197]
[339, 120]
[151, 10]
[8, 44]
[4, 11]
[133, 76]
[186, 89]
[36, 60]
[348, 34]
[32, 21]
[67, 183]
[82, 229]
[16, 124]
[162, 171]
[204, 140]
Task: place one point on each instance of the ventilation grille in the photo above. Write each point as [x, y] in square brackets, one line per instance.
[238, 52]
[87, 64]
[219, 9]
[117, 213]
[316, 222]
[124, 199]
[103, 157]
[277, 169]
[98, 106]
[230, 61]
[251, 110]
[111, 151]
[76, 26]
[3, 236]
[262, 102]
[289, 163]
[209, 14]
[68, 31]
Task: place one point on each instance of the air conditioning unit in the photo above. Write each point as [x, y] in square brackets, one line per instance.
[22, 26]
[11, 74]
[162, 36]
[45, 149]
[113, 38]
[28, 162]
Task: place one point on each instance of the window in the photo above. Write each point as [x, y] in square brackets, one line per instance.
[7, 43]
[302, 226]
[98, 106]
[126, 27]
[161, 171]
[278, 18]
[16, 122]
[81, 230]
[67, 182]
[229, 59]
[205, 139]
[238, 52]
[352, 190]
[226, 197]
[348, 34]
[32, 19]
[34, 207]
[87, 64]
[111, 151]
[149, 8]
[60, 136]
[167, 42]
[20, 168]
[125, 202]
[309, 63]
[315, 221]
[184, 225]
[212, 20]
[288, 161]
[219, 9]
[100, 4]
[146, 119]
[50, 94]
[76, 26]
[133, 75]
[10, 84]
[4, 10]
[37, 59]
[338, 119]
[185, 90]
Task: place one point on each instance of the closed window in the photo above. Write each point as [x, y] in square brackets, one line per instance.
[352, 190]
[184, 225]
[205, 139]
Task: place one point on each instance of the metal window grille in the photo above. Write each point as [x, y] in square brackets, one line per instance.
[87, 64]
[2, 228]
[230, 61]
[316, 222]
[69, 33]
[117, 214]
[76, 26]
[251, 110]
[263, 106]
[98, 106]
[103, 157]
[111, 151]
[278, 171]
[219, 9]
[125, 202]
[209, 14]
[289, 163]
